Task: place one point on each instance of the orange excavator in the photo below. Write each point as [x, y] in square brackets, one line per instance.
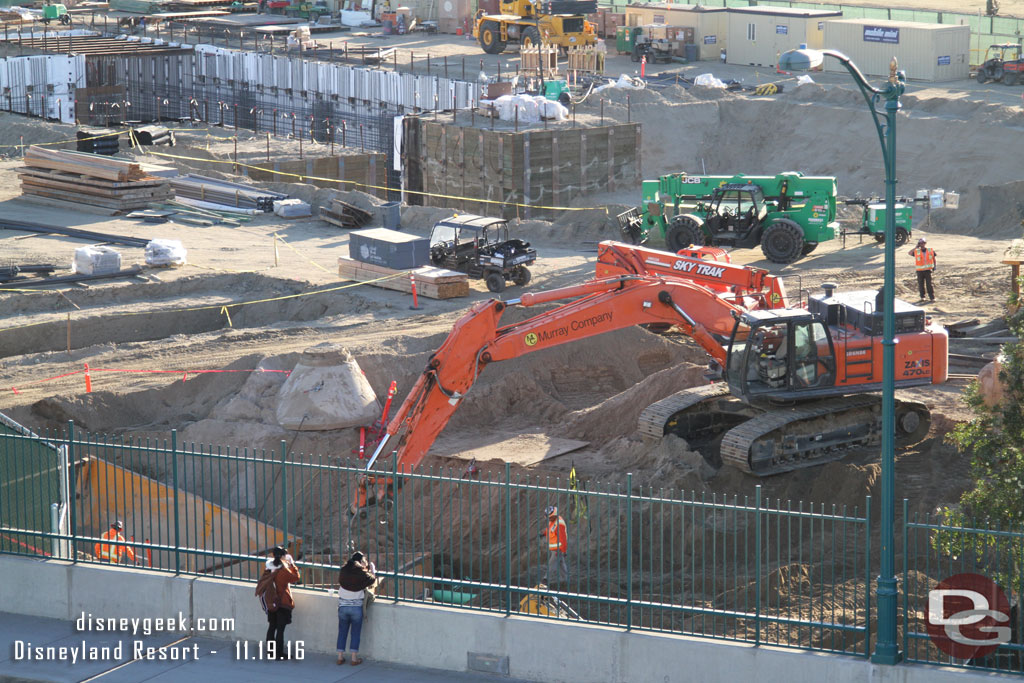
[754, 288]
[798, 381]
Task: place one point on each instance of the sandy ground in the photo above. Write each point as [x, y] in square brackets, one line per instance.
[145, 339]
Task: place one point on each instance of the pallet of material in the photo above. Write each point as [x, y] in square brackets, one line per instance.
[94, 165]
[431, 282]
[345, 215]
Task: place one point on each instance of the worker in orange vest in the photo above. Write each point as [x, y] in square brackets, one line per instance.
[558, 546]
[924, 261]
[115, 548]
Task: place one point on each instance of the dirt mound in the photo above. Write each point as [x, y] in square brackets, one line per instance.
[985, 211]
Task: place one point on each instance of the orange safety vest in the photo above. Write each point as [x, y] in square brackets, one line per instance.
[924, 259]
[557, 536]
[112, 553]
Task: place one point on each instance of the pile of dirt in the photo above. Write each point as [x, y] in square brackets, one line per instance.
[16, 130]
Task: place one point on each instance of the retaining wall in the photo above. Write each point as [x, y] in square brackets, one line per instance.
[442, 638]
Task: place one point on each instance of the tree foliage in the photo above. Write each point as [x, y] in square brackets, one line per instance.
[994, 440]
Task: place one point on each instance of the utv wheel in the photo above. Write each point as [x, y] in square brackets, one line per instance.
[521, 276]
[982, 76]
[490, 38]
[683, 232]
[1010, 78]
[783, 241]
[495, 282]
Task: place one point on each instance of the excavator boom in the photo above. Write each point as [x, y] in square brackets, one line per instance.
[753, 288]
[603, 305]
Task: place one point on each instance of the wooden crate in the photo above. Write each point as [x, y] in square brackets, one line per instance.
[534, 58]
[431, 282]
[586, 60]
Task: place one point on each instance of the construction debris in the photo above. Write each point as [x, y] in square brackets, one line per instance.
[431, 282]
[91, 179]
[14, 271]
[134, 271]
[88, 235]
[224, 193]
[98, 142]
[345, 215]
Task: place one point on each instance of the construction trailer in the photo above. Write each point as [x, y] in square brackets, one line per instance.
[758, 35]
[709, 24]
[926, 52]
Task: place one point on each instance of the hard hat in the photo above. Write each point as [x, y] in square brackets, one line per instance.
[922, 241]
[117, 524]
[551, 511]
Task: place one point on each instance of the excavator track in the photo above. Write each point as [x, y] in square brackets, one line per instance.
[783, 439]
[654, 420]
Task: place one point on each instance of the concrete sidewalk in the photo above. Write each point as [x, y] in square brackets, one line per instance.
[223, 661]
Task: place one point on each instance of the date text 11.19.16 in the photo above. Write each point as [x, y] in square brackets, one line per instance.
[262, 649]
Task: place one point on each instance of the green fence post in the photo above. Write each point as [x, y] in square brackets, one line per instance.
[757, 565]
[629, 551]
[284, 491]
[72, 495]
[394, 518]
[177, 518]
[867, 576]
[508, 539]
[906, 571]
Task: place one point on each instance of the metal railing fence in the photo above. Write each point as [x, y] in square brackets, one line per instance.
[735, 567]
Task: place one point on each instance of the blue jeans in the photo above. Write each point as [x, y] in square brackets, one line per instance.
[349, 617]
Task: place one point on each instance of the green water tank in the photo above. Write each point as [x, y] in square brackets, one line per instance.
[624, 38]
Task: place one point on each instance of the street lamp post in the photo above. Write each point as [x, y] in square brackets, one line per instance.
[886, 648]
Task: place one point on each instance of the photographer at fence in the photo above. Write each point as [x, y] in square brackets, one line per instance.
[355, 579]
[282, 573]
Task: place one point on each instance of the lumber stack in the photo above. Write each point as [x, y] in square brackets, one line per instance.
[91, 179]
[345, 215]
[431, 282]
[227, 194]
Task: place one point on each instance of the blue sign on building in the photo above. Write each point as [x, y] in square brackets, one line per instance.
[782, 30]
[881, 34]
[944, 61]
[710, 40]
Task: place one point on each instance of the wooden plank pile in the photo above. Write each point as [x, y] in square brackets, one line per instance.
[431, 282]
[344, 215]
[91, 179]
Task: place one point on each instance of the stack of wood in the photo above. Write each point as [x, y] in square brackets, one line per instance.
[532, 59]
[431, 282]
[586, 60]
[92, 179]
[344, 215]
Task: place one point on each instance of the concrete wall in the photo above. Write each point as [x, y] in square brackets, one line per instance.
[442, 638]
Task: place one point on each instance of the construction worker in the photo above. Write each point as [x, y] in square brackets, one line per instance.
[558, 546]
[115, 548]
[924, 261]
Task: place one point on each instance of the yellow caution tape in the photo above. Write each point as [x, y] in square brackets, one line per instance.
[302, 178]
[276, 236]
[93, 137]
[223, 308]
[227, 314]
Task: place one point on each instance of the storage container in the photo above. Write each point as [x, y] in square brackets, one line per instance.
[389, 248]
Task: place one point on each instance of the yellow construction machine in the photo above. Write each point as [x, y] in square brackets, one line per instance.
[545, 605]
[532, 23]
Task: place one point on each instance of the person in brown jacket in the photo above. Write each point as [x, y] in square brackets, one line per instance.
[353, 580]
[280, 615]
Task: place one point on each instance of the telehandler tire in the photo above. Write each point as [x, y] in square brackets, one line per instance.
[684, 231]
[782, 241]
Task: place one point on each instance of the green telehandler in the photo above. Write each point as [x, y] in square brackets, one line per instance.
[788, 215]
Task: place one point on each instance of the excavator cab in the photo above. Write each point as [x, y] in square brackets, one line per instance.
[780, 352]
